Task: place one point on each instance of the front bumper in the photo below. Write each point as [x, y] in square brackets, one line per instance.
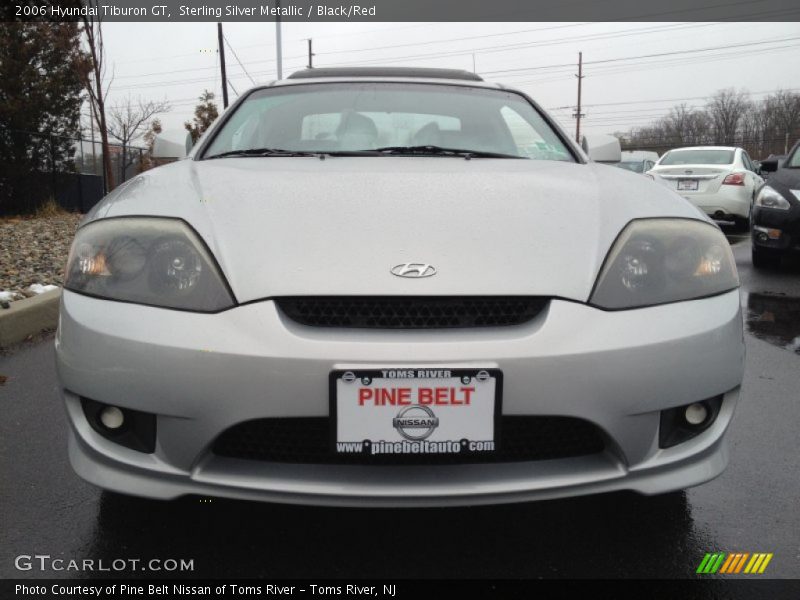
[786, 221]
[204, 373]
[730, 201]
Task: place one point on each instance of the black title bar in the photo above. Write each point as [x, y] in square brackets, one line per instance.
[403, 10]
[208, 589]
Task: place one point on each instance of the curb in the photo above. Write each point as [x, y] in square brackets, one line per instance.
[28, 317]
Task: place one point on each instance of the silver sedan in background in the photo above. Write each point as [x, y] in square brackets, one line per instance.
[396, 287]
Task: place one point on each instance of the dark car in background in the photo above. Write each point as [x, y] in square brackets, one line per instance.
[771, 164]
[775, 222]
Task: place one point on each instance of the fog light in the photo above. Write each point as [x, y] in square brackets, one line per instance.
[112, 417]
[695, 414]
[682, 423]
[133, 429]
[765, 233]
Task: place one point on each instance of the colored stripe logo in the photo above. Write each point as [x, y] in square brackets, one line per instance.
[734, 563]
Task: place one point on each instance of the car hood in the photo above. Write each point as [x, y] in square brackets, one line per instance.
[305, 226]
[785, 181]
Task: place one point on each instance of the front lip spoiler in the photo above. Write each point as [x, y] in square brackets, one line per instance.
[697, 469]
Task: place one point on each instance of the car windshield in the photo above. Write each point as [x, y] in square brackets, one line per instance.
[636, 167]
[698, 157]
[386, 118]
[793, 162]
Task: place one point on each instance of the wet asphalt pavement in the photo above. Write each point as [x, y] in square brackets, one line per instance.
[752, 507]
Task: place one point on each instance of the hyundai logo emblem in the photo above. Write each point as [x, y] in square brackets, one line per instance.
[414, 270]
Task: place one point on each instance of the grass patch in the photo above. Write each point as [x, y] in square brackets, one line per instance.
[49, 209]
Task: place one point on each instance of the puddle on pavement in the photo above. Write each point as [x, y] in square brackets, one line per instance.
[775, 319]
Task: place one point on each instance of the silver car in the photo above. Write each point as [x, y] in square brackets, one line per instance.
[396, 287]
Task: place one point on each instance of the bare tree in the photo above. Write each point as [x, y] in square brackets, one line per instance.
[767, 126]
[94, 80]
[127, 123]
[785, 109]
[726, 109]
[676, 124]
[755, 128]
[699, 128]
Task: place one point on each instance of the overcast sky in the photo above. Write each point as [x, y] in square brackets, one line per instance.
[177, 61]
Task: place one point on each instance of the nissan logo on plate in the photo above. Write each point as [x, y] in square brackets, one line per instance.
[415, 417]
[414, 270]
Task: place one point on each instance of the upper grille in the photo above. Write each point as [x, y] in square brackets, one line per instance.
[411, 312]
[308, 440]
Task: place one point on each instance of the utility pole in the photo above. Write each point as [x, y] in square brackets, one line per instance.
[310, 55]
[578, 114]
[94, 152]
[222, 66]
[278, 44]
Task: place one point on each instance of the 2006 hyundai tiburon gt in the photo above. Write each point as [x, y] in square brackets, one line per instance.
[396, 287]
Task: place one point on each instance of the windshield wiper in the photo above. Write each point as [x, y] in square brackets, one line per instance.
[430, 150]
[385, 151]
[264, 152]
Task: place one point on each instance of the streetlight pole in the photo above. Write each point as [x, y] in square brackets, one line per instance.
[578, 114]
[278, 44]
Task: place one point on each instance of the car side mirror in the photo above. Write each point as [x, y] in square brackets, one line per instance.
[172, 144]
[768, 167]
[602, 148]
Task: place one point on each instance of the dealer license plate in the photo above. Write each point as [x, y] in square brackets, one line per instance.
[687, 185]
[415, 411]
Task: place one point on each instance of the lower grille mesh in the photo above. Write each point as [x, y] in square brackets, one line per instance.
[308, 440]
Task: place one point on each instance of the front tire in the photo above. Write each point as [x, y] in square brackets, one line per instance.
[764, 260]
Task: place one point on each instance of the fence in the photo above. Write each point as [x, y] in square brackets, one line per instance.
[36, 167]
[757, 148]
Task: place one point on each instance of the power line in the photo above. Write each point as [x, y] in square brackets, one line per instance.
[665, 99]
[521, 45]
[518, 45]
[448, 40]
[453, 53]
[545, 67]
[489, 49]
[236, 56]
[647, 65]
[674, 52]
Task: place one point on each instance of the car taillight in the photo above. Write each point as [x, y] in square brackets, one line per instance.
[734, 179]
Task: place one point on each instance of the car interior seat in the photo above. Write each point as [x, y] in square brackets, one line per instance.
[356, 132]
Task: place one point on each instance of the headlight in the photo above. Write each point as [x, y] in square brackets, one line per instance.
[155, 261]
[770, 198]
[655, 261]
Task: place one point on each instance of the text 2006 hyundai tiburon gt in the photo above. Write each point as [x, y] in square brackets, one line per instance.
[396, 287]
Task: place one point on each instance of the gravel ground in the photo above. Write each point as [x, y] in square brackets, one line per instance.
[34, 250]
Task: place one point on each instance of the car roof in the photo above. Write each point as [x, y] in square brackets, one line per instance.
[637, 155]
[387, 74]
[706, 148]
[404, 72]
